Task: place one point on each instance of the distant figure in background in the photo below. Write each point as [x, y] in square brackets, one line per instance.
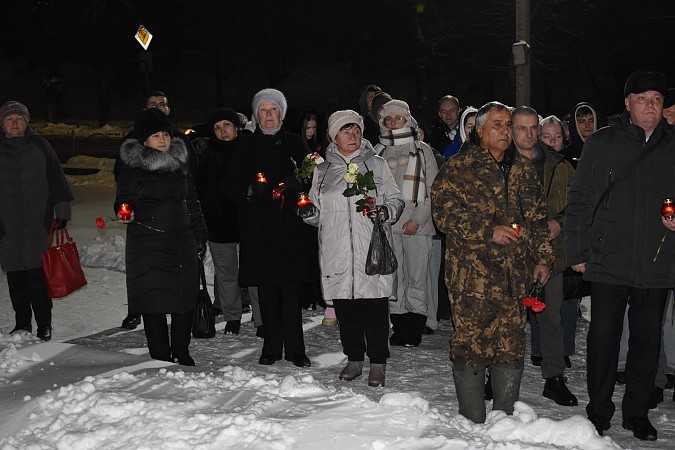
[373, 134]
[445, 136]
[467, 123]
[312, 130]
[669, 107]
[372, 128]
[165, 234]
[221, 214]
[157, 100]
[583, 123]
[33, 191]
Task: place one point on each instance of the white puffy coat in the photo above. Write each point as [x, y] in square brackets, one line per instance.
[344, 234]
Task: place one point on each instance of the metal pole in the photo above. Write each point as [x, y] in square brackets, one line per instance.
[523, 70]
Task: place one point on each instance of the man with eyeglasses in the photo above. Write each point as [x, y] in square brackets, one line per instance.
[158, 100]
[614, 235]
[445, 136]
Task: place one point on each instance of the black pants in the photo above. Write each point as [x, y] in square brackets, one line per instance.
[281, 321]
[157, 335]
[28, 288]
[645, 314]
[364, 328]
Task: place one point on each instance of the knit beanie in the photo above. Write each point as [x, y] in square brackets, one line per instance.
[339, 119]
[269, 95]
[151, 121]
[378, 101]
[14, 107]
[224, 114]
[397, 108]
[642, 81]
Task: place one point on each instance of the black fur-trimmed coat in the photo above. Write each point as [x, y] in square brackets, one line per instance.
[161, 265]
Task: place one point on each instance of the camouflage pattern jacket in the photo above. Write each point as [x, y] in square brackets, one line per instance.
[470, 196]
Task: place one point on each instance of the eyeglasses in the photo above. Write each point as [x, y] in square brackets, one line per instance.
[157, 105]
[398, 120]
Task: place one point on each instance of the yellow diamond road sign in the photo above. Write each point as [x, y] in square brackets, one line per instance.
[143, 37]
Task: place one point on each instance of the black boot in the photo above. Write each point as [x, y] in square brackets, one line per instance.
[157, 335]
[556, 390]
[470, 391]
[181, 327]
[415, 329]
[506, 385]
[398, 322]
[131, 321]
[232, 326]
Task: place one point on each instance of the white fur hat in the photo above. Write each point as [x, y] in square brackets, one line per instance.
[341, 118]
[397, 108]
[269, 95]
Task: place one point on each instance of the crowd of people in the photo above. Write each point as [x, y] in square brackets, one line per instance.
[505, 204]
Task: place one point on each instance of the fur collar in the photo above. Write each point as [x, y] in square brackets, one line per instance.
[134, 154]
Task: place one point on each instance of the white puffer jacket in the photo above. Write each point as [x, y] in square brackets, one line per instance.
[344, 234]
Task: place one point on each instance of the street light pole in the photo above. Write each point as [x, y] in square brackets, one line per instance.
[522, 65]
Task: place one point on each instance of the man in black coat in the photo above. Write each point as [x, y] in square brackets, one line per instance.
[614, 234]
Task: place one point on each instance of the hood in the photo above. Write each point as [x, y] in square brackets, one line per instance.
[363, 106]
[574, 129]
[136, 155]
[566, 138]
[462, 119]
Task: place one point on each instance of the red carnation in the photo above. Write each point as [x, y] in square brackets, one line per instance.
[100, 222]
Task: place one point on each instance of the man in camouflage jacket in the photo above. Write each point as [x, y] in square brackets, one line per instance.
[490, 266]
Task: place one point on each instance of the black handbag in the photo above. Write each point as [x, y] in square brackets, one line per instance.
[204, 319]
[574, 286]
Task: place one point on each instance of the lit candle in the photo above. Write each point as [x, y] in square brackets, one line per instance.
[668, 209]
[303, 200]
[260, 177]
[516, 226]
[124, 212]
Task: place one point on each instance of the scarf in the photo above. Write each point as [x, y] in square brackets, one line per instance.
[414, 187]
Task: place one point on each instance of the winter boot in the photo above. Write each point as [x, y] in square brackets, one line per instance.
[352, 370]
[400, 326]
[470, 390]
[506, 385]
[232, 327]
[157, 335]
[329, 317]
[181, 326]
[131, 321]
[376, 375]
[415, 329]
[556, 390]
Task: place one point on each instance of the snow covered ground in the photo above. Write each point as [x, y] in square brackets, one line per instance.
[94, 387]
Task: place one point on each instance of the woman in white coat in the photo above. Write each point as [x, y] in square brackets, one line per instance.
[361, 301]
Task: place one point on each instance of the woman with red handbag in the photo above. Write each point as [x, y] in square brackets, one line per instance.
[33, 190]
[165, 234]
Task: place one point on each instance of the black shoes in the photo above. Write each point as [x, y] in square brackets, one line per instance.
[600, 423]
[131, 322]
[398, 339]
[184, 360]
[301, 361]
[568, 363]
[259, 331]
[232, 326]
[268, 360]
[21, 328]
[45, 333]
[656, 398]
[556, 390]
[536, 360]
[641, 428]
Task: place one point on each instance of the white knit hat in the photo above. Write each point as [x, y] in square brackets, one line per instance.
[269, 95]
[341, 118]
[397, 108]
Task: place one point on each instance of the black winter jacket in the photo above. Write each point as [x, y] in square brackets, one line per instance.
[620, 244]
[161, 265]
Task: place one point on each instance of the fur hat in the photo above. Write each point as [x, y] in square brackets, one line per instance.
[224, 114]
[397, 108]
[151, 121]
[341, 118]
[670, 98]
[269, 95]
[378, 101]
[643, 81]
[14, 107]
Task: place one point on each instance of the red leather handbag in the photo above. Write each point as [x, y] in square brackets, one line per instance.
[61, 264]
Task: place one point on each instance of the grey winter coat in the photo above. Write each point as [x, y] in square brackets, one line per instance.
[33, 190]
[344, 233]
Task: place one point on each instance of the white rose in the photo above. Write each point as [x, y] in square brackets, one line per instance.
[318, 160]
[353, 168]
[350, 177]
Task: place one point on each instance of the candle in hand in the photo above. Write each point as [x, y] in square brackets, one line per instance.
[668, 209]
[124, 212]
[303, 200]
[516, 226]
[260, 177]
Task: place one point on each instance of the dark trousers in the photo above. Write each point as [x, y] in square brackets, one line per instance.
[364, 328]
[645, 315]
[547, 330]
[157, 335]
[28, 288]
[281, 321]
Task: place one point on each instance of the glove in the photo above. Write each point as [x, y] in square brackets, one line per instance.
[307, 210]
[293, 184]
[380, 211]
[257, 190]
[201, 248]
[60, 223]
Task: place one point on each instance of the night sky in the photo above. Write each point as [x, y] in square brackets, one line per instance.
[208, 53]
